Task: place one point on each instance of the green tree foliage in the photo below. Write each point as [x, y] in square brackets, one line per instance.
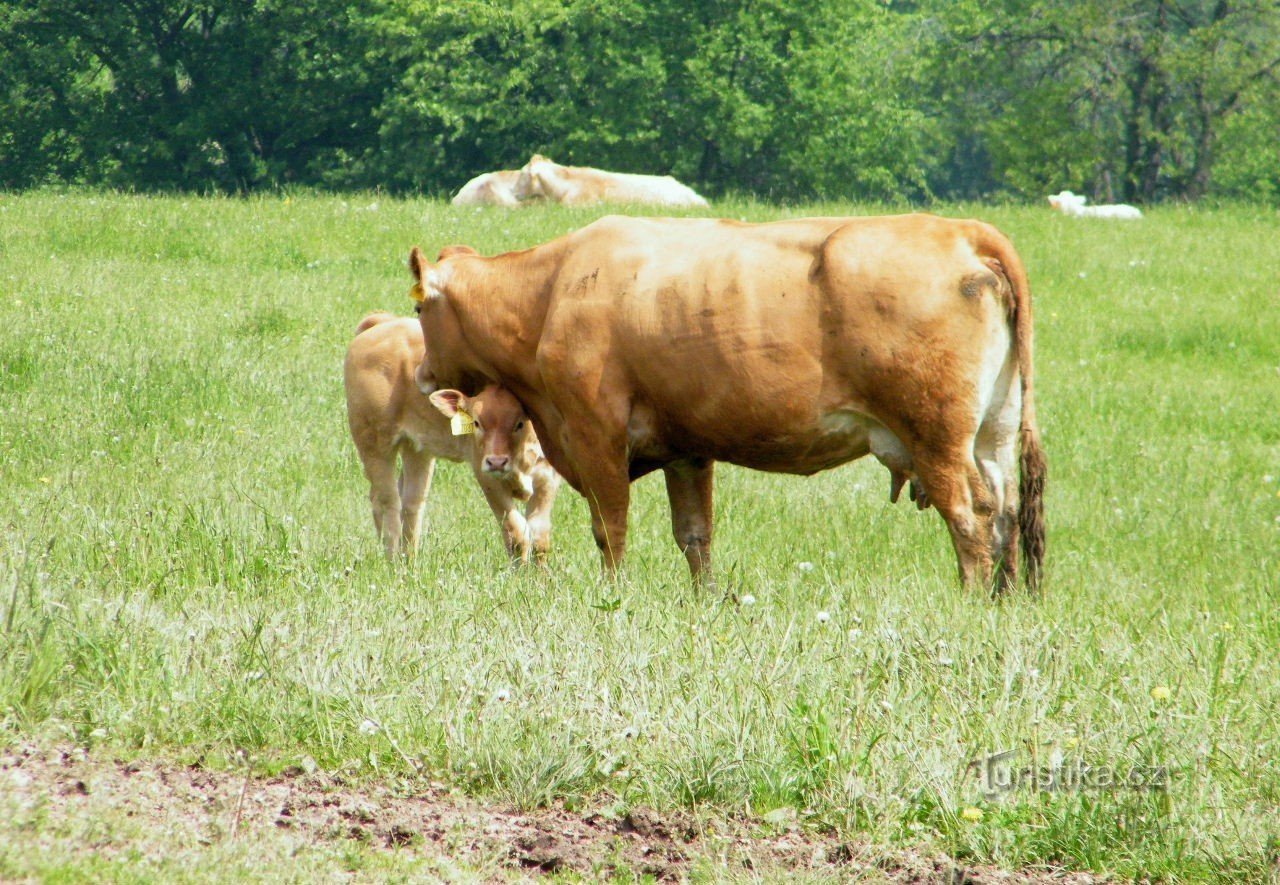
[230, 94]
[789, 99]
[765, 96]
[1124, 98]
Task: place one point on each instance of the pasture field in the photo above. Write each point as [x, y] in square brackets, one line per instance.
[189, 573]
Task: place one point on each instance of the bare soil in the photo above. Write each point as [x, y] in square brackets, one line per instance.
[196, 806]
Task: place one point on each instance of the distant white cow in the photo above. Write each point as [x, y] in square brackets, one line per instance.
[489, 189]
[390, 416]
[1074, 205]
[582, 185]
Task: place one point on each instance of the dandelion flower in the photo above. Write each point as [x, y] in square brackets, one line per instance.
[1161, 693]
[1227, 626]
[972, 815]
[824, 616]
[747, 599]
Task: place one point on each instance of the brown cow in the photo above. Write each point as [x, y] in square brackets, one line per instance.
[794, 346]
[390, 416]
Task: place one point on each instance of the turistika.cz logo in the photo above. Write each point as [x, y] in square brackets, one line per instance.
[997, 773]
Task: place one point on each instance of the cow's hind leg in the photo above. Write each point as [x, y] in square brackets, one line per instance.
[689, 486]
[996, 451]
[956, 488]
[999, 473]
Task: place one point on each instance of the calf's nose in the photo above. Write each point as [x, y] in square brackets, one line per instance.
[496, 463]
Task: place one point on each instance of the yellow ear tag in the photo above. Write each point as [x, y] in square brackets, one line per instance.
[462, 424]
[417, 294]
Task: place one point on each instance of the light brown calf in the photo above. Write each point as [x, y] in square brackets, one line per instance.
[390, 417]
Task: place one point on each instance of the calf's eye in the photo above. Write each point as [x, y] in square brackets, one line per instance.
[519, 425]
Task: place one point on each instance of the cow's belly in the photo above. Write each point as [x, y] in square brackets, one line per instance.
[834, 438]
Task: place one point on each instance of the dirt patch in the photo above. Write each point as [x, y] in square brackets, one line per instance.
[192, 805]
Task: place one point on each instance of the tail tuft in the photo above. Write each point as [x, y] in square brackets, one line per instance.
[1031, 511]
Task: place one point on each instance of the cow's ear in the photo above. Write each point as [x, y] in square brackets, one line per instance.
[418, 264]
[427, 278]
[449, 402]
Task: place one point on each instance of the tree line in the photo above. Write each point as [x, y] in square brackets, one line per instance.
[1135, 100]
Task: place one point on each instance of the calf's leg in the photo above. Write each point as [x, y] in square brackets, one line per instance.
[384, 496]
[515, 531]
[417, 470]
[537, 512]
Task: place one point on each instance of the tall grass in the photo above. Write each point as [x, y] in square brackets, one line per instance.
[188, 567]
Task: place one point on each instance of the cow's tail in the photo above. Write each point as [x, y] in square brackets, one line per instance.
[1032, 465]
[374, 319]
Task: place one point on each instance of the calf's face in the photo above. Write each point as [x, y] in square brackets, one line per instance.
[500, 424]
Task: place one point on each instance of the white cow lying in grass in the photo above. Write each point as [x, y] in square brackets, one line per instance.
[390, 416]
[582, 185]
[489, 189]
[1074, 205]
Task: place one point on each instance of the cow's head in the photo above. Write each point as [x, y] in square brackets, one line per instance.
[503, 431]
[449, 361]
[1066, 201]
[529, 183]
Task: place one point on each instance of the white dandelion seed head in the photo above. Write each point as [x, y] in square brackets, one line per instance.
[945, 662]
[824, 616]
[747, 599]
[502, 695]
[805, 566]
[368, 727]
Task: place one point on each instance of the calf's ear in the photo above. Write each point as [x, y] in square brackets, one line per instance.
[449, 402]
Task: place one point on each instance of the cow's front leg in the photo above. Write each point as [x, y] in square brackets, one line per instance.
[609, 502]
[689, 488]
[606, 485]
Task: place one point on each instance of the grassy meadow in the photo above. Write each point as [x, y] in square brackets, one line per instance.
[188, 568]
